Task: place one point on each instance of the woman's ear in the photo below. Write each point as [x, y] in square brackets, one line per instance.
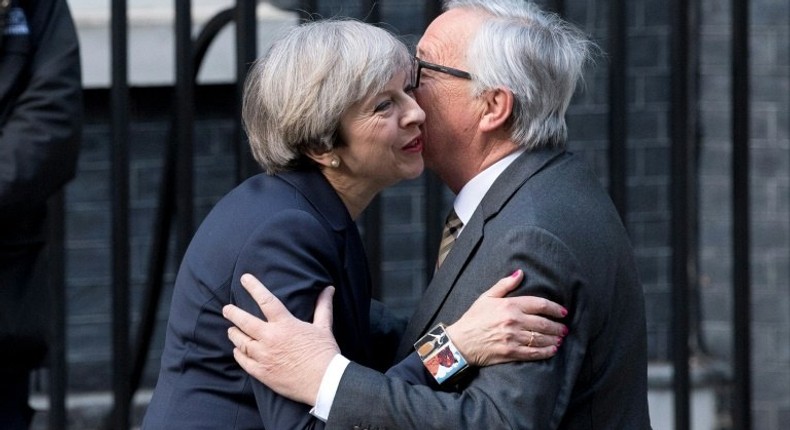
[498, 107]
[325, 159]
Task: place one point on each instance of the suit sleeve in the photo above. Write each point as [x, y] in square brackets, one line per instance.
[295, 256]
[40, 138]
[412, 371]
[524, 395]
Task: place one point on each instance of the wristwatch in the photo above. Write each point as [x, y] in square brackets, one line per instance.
[440, 356]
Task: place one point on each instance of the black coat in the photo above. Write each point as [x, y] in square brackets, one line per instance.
[40, 125]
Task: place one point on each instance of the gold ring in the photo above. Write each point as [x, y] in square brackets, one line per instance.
[531, 338]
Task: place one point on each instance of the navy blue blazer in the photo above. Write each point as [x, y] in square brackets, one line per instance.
[291, 231]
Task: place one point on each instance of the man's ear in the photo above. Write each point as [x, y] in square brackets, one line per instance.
[498, 107]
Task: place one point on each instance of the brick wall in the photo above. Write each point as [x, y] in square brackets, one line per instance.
[770, 212]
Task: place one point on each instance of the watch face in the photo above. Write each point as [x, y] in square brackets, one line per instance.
[439, 355]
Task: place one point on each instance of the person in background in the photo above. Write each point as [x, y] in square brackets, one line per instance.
[495, 78]
[40, 125]
[331, 119]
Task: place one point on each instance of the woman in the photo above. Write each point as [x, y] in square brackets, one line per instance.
[331, 120]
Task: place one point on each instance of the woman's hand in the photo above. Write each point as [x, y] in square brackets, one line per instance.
[498, 329]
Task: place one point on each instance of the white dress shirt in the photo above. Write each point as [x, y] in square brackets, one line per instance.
[465, 204]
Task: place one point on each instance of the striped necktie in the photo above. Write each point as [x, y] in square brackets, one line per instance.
[451, 228]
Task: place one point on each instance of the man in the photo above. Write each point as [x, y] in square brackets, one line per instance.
[495, 78]
[40, 123]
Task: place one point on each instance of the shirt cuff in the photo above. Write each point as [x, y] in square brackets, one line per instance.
[328, 388]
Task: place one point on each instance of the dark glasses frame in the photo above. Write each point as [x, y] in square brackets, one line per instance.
[420, 64]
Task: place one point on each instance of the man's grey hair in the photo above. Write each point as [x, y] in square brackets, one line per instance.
[536, 55]
[295, 95]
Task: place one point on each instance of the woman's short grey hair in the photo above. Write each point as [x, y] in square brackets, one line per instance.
[536, 55]
[295, 95]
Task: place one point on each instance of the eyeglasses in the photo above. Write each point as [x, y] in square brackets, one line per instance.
[418, 65]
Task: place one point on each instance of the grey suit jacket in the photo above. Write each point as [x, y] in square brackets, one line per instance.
[548, 215]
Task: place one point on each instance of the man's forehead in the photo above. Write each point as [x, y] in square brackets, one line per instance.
[446, 36]
[435, 50]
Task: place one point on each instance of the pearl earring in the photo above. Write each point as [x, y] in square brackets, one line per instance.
[335, 162]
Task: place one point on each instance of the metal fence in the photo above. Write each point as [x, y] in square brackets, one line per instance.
[174, 214]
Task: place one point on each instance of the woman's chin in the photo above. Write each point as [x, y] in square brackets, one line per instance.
[415, 172]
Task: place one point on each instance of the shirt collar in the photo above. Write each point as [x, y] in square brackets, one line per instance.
[472, 193]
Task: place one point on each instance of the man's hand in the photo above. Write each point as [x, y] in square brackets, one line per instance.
[287, 354]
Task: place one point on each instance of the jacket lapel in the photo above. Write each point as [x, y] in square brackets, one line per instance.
[316, 189]
[524, 167]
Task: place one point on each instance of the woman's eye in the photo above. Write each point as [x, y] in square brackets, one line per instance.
[383, 106]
